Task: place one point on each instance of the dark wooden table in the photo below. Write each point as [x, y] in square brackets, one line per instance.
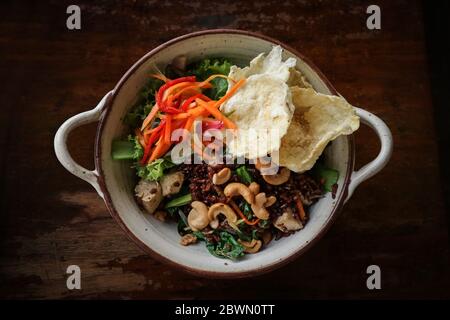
[51, 219]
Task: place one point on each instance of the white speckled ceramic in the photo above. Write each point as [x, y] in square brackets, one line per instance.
[114, 181]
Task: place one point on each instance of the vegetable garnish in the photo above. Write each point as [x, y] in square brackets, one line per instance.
[301, 210]
[239, 212]
[327, 176]
[179, 201]
[160, 76]
[244, 175]
[179, 102]
[216, 113]
[210, 95]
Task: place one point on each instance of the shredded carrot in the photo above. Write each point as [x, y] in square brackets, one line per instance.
[232, 91]
[194, 88]
[168, 129]
[203, 97]
[179, 103]
[153, 137]
[160, 76]
[189, 123]
[217, 114]
[236, 208]
[158, 150]
[179, 116]
[198, 111]
[301, 210]
[171, 90]
[210, 78]
[140, 138]
[150, 117]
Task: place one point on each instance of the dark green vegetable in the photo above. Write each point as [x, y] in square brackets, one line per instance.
[264, 224]
[145, 102]
[122, 150]
[327, 176]
[220, 87]
[255, 234]
[129, 149]
[207, 67]
[181, 227]
[244, 175]
[155, 170]
[227, 247]
[179, 201]
[246, 209]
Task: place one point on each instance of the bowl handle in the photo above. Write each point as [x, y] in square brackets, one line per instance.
[60, 143]
[373, 167]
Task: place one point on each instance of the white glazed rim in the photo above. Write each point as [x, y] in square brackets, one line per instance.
[340, 197]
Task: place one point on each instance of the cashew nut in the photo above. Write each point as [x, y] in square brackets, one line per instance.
[198, 216]
[270, 201]
[251, 247]
[258, 206]
[221, 208]
[254, 187]
[238, 189]
[279, 178]
[222, 176]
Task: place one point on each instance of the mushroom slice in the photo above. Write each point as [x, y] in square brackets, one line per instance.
[287, 222]
[149, 194]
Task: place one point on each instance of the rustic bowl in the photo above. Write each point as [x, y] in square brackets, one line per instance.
[114, 181]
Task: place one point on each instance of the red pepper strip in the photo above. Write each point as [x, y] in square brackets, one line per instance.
[170, 106]
[148, 131]
[202, 96]
[168, 129]
[159, 96]
[188, 101]
[153, 137]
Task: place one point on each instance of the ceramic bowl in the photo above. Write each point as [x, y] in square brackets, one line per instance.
[114, 180]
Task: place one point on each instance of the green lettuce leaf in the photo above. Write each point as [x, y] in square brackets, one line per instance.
[155, 170]
[129, 149]
[227, 247]
[144, 104]
[329, 177]
[207, 67]
[244, 175]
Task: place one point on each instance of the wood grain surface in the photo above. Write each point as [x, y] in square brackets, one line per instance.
[51, 219]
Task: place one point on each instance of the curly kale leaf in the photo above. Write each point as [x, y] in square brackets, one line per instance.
[155, 170]
[207, 67]
[144, 104]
